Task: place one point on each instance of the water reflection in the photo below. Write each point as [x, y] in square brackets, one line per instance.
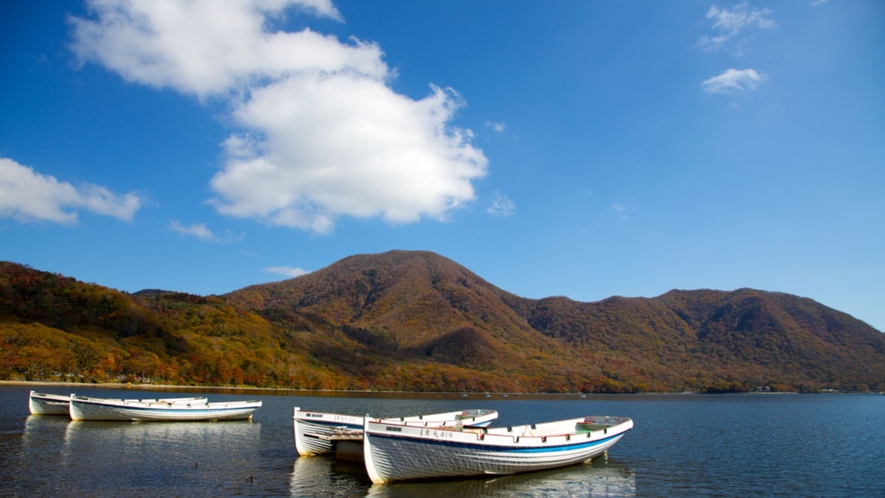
[210, 457]
[184, 441]
[327, 476]
[324, 476]
[39, 426]
[192, 433]
[169, 444]
[596, 479]
[34, 463]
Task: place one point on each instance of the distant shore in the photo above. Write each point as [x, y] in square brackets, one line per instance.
[287, 391]
[129, 385]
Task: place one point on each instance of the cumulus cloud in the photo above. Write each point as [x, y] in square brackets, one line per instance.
[733, 80]
[345, 145]
[730, 23]
[26, 195]
[286, 271]
[207, 47]
[502, 206]
[321, 133]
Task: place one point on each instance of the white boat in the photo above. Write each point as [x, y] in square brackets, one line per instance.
[318, 433]
[395, 451]
[48, 404]
[160, 410]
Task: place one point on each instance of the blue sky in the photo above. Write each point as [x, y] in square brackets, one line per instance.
[584, 149]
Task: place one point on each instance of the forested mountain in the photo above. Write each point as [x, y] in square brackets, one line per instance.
[418, 321]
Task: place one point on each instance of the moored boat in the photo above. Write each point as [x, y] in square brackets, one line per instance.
[160, 410]
[395, 451]
[318, 433]
[48, 404]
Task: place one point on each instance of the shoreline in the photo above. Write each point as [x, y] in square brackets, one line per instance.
[284, 391]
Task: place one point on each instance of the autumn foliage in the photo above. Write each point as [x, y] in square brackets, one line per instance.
[415, 321]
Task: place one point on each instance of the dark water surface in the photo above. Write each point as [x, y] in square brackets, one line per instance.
[682, 445]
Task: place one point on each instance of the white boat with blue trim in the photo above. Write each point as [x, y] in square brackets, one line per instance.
[48, 404]
[396, 451]
[318, 433]
[160, 410]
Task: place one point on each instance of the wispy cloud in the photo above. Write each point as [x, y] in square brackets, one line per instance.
[502, 206]
[497, 127]
[322, 134]
[728, 24]
[286, 271]
[620, 210]
[196, 230]
[26, 195]
[200, 231]
[733, 80]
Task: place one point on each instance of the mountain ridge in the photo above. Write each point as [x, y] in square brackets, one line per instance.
[415, 320]
[727, 330]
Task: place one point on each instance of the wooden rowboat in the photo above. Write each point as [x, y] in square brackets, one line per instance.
[396, 451]
[160, 410]
[48, 404]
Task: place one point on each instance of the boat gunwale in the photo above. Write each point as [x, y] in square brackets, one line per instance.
[169, 407]
[458, 417]
[329, 423]
[49, 396]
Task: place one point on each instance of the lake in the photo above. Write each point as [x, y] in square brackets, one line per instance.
[682, 445]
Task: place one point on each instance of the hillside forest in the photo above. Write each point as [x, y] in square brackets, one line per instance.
[416, 321]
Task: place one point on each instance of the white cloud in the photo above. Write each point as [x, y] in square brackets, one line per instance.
[200, 231]
[733, 80]
[26, 195]
[345, 145]
[322, 133]
[287, 271]
[502, 206]
[208, 47]
[730, 23]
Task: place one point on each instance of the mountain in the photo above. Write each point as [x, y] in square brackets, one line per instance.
[727, 339]
[421, 309]
[411, 320]
[705, 339]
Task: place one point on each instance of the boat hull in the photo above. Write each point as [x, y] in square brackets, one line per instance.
[48, 404]
[160, 411]
[312, 428]
[397, 452]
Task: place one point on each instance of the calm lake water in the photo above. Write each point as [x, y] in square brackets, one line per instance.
[682, 445]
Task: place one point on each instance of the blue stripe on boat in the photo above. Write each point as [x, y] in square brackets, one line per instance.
[487, 447]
